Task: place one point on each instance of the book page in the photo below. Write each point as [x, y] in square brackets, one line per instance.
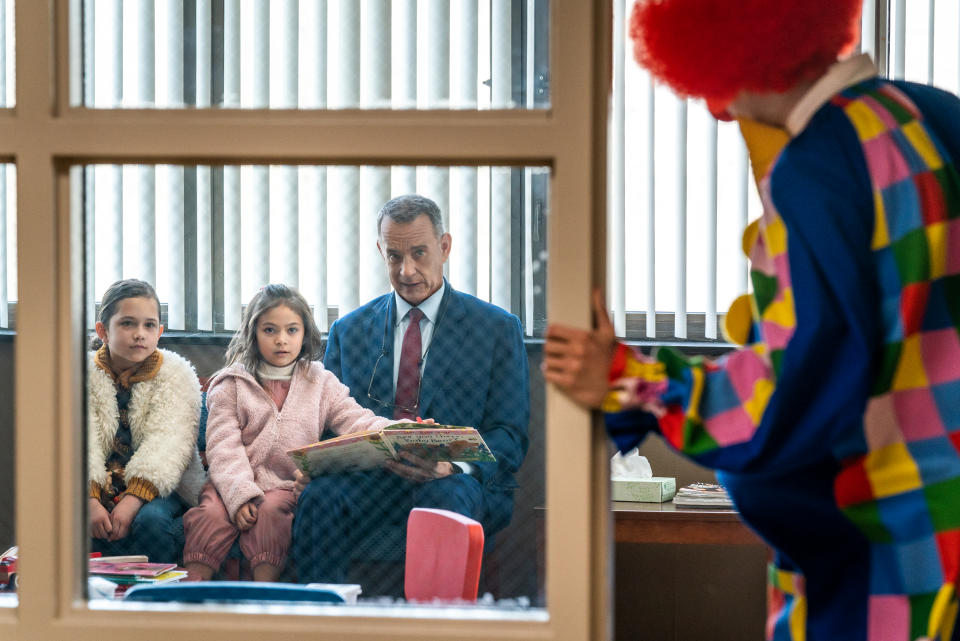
[348, 453]
[439, 443]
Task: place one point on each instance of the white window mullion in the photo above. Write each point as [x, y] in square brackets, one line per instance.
[743, 208]
[343, 68]
[283, 220]
[146, 88]
[255, 226]
[434, 183]
[231, 53]
[232, 270]
[501, 82]
[403, 54]
[500, 237]
[463, 54]
[283, 43]
[89, 84]
[171, 83]
[283, 216]
[343, 73]
[433, 54]
[343, 184]
[81, 196]
[484, 61]
[205, 267]
[375, 182]
[375, 54]
[312, 181]
[899, 24]
[204, 60]
[931, 29]
[255, 179]
[4, 294]
[312, 63]
[374, 191]
[403, 180]
[132, 95]
[616, 242]
[10, 202]
[710, 322]
[501, 97]
[528, 222]
[232, 267]
[108, 92]
[483, 232]
[463, 228]
[650, 188]
[204, 250]
[312, 199]
[680, 316]
[463, 180]
[868, 22]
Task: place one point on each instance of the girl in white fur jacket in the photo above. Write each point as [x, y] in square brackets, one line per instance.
[143, 409]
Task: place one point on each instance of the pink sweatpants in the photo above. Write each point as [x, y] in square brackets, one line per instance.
[209, 532]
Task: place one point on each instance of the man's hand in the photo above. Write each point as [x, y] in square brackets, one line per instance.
[99, 520]
[416, 469]
[246, 516]
[121, 518]
[578, 361]
[300, 483]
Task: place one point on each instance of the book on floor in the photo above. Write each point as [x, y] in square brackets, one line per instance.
[130, 568]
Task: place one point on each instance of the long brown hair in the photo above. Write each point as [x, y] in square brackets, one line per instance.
[243, 346]
[122, 290]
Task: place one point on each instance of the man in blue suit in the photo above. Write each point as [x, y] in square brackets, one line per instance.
[473, 371]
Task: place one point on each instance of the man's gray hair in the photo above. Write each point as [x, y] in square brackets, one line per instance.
[405, 209]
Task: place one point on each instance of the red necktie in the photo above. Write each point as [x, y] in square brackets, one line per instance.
[408, 377]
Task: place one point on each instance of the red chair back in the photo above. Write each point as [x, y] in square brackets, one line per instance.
[444, 553]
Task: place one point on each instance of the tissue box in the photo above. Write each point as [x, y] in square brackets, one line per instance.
[656, 489]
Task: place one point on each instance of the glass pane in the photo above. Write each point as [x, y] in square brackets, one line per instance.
[8, 298]
[210, 238]
[431, 54]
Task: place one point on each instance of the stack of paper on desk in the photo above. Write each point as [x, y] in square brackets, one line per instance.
[703, 495]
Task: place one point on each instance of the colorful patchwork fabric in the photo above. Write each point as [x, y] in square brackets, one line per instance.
[706, 407]
[787, 601]
[836, 427]
[903, 489]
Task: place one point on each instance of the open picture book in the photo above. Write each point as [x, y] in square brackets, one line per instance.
[370, 449]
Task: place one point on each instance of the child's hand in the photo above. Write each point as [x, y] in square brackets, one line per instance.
[122, 516]
[99, 520]
[300, 483]
[246, 516]
[427, 421]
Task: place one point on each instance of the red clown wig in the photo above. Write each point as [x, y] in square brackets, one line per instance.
[713, 49]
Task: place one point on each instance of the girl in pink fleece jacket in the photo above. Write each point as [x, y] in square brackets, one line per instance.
[271, 397]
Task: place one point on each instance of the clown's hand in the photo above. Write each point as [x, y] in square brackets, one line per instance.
[577, 361]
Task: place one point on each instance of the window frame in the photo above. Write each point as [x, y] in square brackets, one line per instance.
[44, 136]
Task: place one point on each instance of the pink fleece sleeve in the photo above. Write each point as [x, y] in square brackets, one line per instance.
[230, 468]
[343, 414]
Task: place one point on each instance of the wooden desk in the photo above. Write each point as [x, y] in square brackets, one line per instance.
[669, 523]
[663, 523]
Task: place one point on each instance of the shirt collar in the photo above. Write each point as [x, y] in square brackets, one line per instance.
[430, 307]
[839, 76]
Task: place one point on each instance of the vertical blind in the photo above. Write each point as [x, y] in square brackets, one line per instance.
[674, 225]
[209, 237]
